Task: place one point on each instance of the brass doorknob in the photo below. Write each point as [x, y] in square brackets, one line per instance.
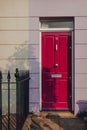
[56, 65]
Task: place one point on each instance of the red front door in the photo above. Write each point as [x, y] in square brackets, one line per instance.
[56, 86]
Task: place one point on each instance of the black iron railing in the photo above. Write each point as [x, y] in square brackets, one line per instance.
[22, 94]
[0, 100]
[10, 121]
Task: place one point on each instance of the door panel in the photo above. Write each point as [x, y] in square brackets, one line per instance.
[63, 44]
[55, 71]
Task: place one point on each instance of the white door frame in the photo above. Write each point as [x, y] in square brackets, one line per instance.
[73, 68]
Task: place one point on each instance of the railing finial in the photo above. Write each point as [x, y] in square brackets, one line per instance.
[17, 73]
[0, 74]
[8, 76]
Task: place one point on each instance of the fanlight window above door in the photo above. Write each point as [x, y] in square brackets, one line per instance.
[56, 23]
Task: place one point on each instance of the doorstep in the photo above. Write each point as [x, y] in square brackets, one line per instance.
[43, 121]
[54, 121]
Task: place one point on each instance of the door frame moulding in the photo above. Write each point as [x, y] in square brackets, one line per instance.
[57, 30]
[73, 68]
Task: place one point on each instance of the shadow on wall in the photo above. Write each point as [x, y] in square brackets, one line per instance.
[34, 67]
[82, 104]
[49, 95]
[19, 59]
[24, 57]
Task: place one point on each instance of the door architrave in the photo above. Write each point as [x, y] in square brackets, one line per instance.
[73, 63]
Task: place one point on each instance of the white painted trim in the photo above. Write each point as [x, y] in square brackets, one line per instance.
[40, 74]
[56, 29]
[73, 93]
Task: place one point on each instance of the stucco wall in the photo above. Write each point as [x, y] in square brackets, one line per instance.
[57, 8]
[14, 42]
[34, 64]
[80, 64]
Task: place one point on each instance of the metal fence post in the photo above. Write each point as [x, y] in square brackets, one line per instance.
[8, 77]
[17, 109]
[22, 86]
[0, 100]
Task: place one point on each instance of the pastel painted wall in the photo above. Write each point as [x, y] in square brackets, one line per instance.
[80, 64]
[14, 42]
[57, 8]
[34, 65]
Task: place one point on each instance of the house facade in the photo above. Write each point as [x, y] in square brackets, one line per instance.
[58, 55]
[48, 37]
